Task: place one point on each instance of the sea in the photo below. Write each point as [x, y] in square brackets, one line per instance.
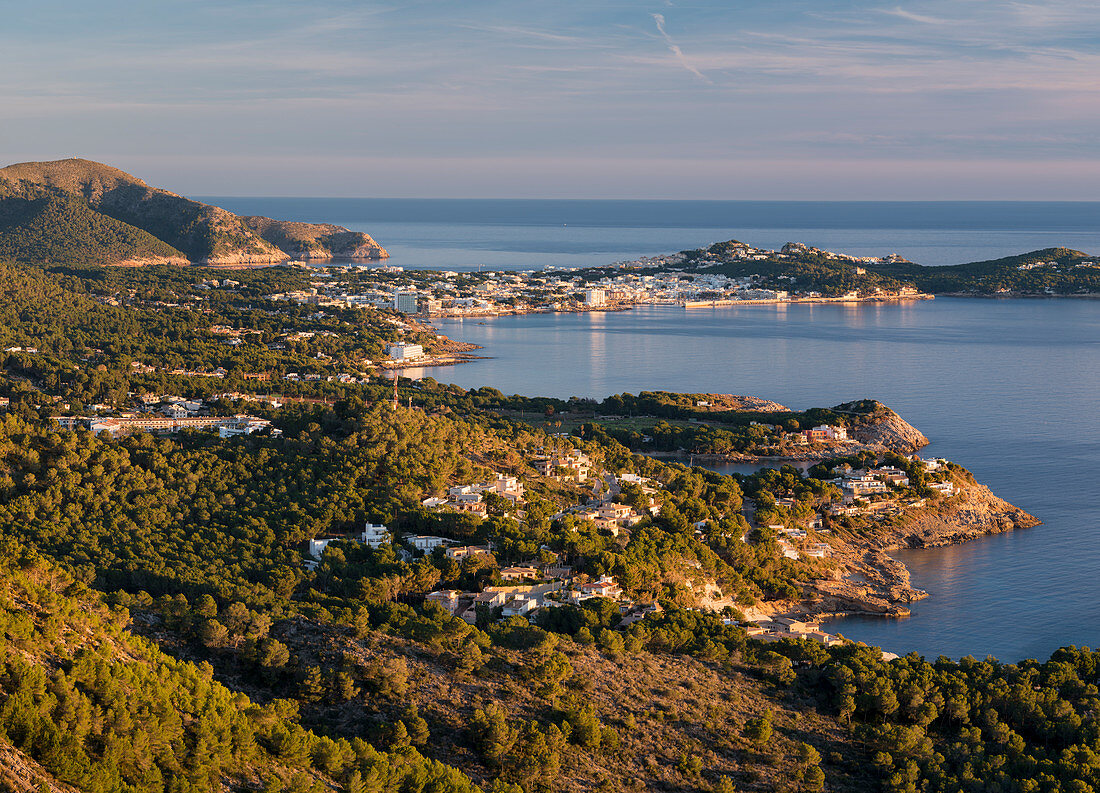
[494, 234]
[1009, 388]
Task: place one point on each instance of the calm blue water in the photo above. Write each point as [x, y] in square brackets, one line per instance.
[1008, 388]
[531, 234]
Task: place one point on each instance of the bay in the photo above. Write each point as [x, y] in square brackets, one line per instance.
[1008, 388]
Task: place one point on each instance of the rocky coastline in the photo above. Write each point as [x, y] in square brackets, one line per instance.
[866, 579]
[870, 581]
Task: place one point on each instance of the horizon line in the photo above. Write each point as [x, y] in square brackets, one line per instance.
[680, 200]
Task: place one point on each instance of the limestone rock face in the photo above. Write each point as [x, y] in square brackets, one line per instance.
[974, 512]
[316, 240]
[886, 429]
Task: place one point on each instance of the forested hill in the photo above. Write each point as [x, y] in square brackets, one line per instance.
[42, 226]
[1057, 270]
[799, 269]
[79, 211]
[274, 676]
[88, 706]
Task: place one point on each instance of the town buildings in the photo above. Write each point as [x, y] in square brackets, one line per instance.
[405, 302]
[645, 281]
[226, 426]
[403, 351]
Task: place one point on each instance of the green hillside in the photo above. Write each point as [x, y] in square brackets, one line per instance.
[48, 226]
[101, 710]
[1059, 270]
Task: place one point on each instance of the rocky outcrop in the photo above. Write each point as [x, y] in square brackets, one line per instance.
[885, 429]
[973, 512]
[316, 240]
[870, 581]
[749, 404]
[18, 772]
[831, 598]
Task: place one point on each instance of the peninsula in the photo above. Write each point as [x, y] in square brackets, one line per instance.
[728, 274]
[808, 270]
[860, 491]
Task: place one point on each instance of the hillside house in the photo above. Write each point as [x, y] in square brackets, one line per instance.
[622, 514]
[508, 487]
[577, 464]
[825, 432]
[787, 549]
[426, 543]
[891, 476]
[375, 535]
[604, 587]
[447, 598]
[317, 546]
[519, 573]
[463, 551]
[518, 605]
[860, 483]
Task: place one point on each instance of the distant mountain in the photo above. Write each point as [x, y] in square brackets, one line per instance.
[79, 210]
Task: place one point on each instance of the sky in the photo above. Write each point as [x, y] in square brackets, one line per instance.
[943, 99]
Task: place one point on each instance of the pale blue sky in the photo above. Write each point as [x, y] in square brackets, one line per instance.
[574, 98]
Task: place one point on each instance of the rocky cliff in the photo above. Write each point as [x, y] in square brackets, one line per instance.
[885, 429]
[99, 197]
[872, 582]
[974, 512]
[315, 240]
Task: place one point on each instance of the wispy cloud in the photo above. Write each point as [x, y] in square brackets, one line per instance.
[527, 32]
[562, 83]
[675, 49]
[901, 13]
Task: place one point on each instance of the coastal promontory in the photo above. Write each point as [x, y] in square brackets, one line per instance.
[82, 211]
